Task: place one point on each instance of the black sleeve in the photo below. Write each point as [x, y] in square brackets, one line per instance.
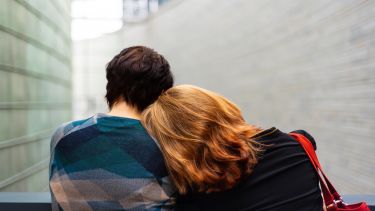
[307, 135]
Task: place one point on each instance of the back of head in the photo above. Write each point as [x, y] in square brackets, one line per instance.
[137, 75]
[204, 138]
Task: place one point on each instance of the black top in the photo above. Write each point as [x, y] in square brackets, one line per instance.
[283, 179]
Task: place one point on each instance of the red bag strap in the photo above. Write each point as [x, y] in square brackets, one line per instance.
[330, 195]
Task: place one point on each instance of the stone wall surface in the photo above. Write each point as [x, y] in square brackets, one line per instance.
[35, 88]
[290, 64]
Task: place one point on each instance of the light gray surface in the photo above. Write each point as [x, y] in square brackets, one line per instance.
[35, 88]
[25, 197]
[369, 199]
[290, 64]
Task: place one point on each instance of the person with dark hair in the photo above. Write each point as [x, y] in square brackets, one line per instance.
[108, 161]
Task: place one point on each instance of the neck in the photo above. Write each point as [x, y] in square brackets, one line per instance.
[122, 109]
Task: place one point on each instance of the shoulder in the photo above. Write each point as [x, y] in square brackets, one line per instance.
[70, 127]
[307, 135]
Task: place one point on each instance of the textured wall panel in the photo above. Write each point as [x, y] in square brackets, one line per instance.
[290, 64]
[35, 88]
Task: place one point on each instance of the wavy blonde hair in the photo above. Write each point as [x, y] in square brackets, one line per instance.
[205, 141]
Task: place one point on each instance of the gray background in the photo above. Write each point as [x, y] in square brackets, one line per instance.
[290, 64]
[35, 88]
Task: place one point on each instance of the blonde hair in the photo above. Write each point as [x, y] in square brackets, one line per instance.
[205, 141]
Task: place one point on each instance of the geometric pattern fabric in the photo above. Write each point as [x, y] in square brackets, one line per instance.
[108, 163]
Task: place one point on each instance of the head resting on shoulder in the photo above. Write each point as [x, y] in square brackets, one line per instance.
[205, 141]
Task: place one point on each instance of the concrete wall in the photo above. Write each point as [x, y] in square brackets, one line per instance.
[290, 64]
[35, 88]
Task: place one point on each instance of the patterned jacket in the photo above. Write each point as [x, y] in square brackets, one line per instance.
[107, 163]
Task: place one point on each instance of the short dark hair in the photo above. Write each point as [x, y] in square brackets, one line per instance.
[138, 75]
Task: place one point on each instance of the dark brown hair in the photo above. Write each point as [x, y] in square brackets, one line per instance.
[205, 141]
[138, 75]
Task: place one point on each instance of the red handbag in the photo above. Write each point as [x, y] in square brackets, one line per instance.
[331, 197]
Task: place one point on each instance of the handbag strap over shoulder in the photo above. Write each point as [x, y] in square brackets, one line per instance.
[330, 195]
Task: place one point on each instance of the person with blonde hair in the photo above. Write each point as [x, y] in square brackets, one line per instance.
[217, 161]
